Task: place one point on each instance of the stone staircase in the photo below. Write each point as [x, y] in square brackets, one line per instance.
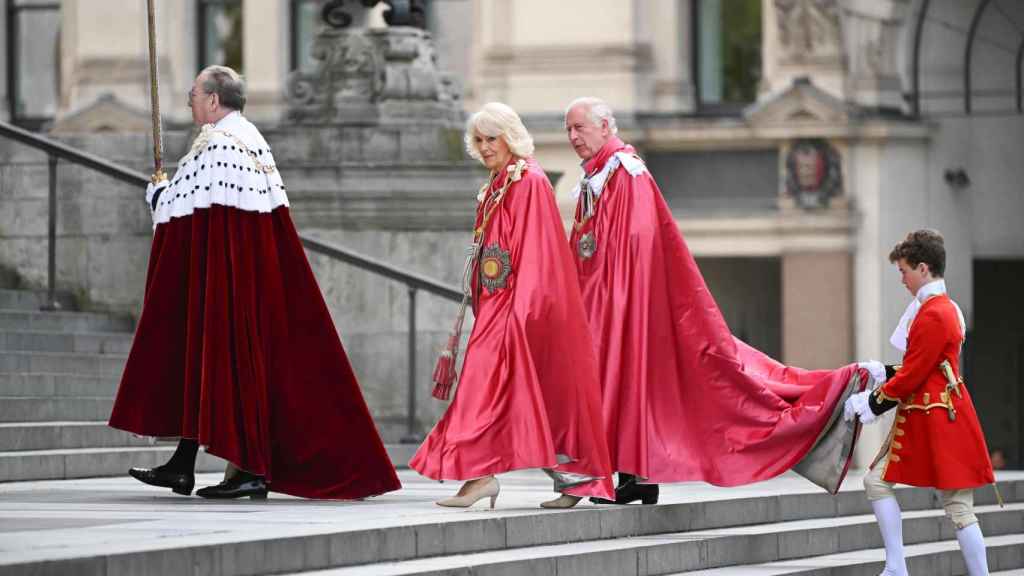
[803, 535]
[59, 372]
[783, 526]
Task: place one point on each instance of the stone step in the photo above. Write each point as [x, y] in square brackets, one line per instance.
[52, 408]
[105, 365]
[393, 530]
[698, 551]
[56, 384]
[26, 436]
[95, 452]
[64, 435]
[65, 321]
[1005, 558]
[90, 462]
[32, 299]
[82, 343]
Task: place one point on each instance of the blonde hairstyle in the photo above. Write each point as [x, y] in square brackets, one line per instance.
[597, 110]
[497, 119]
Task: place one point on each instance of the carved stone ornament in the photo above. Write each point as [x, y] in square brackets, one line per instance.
[495, 267]
[360, 69]
[813, 173]
[808, 29]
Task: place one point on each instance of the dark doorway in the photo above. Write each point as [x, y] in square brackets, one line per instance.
[749, 293]
[993, 366]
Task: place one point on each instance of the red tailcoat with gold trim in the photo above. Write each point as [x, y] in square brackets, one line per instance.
[926, 447]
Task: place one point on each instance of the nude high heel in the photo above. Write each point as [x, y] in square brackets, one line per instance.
[477, 493]
[563, 501]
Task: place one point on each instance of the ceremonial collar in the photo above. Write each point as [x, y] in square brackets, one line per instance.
[231, 119]
[902, 331]
[513, 169]
[613, 154]
[597, 161]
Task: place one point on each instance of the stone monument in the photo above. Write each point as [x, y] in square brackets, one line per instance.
[373, 156]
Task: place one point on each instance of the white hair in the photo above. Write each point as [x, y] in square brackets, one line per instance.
[597, 111]
[497, 119]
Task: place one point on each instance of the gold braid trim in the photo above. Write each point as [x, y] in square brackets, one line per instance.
[881, 396]
[265, 168]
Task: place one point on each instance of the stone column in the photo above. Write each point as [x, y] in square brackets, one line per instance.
[5, 104]
[817, 309]
[266, 54]
[673, 82]
[104, 56]
[871, 30]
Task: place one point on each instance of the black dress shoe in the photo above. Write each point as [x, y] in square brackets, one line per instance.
[631, 492]
[180, 482]
[238, 486]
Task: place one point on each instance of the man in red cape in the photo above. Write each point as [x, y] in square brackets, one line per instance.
[682, 399]
[235, 349]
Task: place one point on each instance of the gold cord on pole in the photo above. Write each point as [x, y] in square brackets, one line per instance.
[154, 99]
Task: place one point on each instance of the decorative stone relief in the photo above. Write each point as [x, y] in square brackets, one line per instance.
[360, 70]
[808, 29]
[814, 173]
[871, 31]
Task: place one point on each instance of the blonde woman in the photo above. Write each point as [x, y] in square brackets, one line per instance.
[528, 395]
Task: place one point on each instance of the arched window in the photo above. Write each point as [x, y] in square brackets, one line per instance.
[967, 58]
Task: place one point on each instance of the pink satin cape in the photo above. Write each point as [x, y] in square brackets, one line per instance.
[684, 400]
[529, 390]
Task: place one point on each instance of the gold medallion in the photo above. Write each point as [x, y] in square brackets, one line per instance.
[494, 268]
[586, 246]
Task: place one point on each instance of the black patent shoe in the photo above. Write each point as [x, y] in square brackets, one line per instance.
[179, 482]
[238, 486]
[631, 492]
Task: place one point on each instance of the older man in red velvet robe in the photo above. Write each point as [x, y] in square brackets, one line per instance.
[235, 349]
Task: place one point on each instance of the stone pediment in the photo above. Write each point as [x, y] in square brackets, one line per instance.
[801, 103]
[107, 113]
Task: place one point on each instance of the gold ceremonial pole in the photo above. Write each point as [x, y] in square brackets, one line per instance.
[154, 99]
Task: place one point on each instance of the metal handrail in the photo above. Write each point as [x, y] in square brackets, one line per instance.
[75, 156]
[446, 291]
[414, 282]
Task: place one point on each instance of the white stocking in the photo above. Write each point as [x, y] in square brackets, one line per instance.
[972, 546]
[887, 511]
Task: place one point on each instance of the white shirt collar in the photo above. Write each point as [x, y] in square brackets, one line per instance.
[228, 119]
[933, 288]
[902, 331]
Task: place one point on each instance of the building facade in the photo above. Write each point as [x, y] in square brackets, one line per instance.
[795, 140]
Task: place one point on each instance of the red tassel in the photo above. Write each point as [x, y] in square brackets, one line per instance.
[444, 371]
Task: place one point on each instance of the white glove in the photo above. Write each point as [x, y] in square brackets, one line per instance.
[858, 405]
[876, 369]
[153, 192]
